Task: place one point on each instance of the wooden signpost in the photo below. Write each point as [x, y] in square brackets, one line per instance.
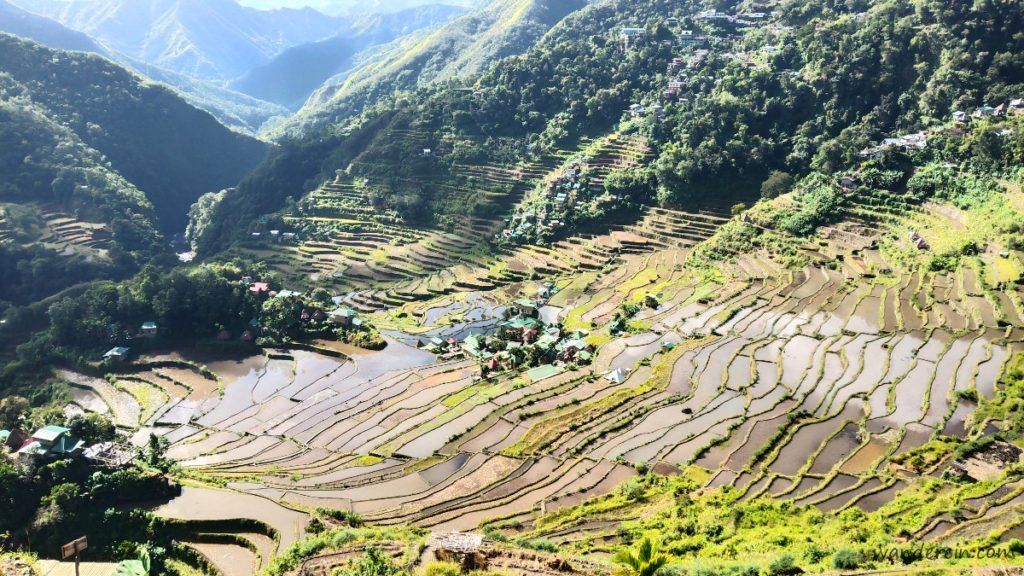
[74, 548]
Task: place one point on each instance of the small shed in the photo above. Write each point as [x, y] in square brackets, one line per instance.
[117, 354]
[617, 376]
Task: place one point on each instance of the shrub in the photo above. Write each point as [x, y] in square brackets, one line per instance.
[846, 559]
[345, 516]
[784, 565]
[541, 545]
[777, 184]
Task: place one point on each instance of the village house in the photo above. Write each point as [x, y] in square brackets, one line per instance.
[117, 354]
[712, 14]
[13, 440]
[259, 288]
[907, 143]
[630, 35]
[515, 328]
[961, 117]
[688, 38]
[848, 183]
[49, 443]
[1017, 106]
[148, 330]
[617, 376]
[343, 316]
[674, 88]
[526, 307]
[984, 112]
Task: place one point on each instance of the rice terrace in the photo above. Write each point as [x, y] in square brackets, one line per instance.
[511, 287]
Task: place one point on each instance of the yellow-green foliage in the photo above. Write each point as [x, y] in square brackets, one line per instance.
[713, 528]
[1007, 404]
[367, 460]
[341, 537]
[442, 569]
[564, 420]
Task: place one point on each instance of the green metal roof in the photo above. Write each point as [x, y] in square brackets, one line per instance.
[542, 372]
[520, 322]
[50, 433]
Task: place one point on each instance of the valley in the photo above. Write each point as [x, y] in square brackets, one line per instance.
[531, 288]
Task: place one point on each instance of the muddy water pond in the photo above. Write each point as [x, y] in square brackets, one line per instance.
[212, 504]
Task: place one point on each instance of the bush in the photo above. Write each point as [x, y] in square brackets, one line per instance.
[846, 559]
[541, 545]
[344, 516]
[784, 565]
[777, 184]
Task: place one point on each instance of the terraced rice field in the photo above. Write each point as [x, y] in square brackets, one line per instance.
[55, 229]
[803, 384]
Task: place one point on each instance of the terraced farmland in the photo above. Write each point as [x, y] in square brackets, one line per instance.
[54, 229]
[347, 244]
[825, 384]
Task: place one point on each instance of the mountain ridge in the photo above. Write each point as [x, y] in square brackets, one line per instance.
[211, 39]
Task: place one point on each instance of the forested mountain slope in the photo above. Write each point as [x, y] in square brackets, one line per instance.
[233, 109]
[804, 89]
[65, 216]
[14, 20]
[291, 76]
[461, 49]
[211, 39]
[165, 147]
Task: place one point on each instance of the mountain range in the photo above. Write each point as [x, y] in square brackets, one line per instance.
[289, 78]
[243, 65]
[461, 48]
[165, 147]
[352, 7]
[208, 39]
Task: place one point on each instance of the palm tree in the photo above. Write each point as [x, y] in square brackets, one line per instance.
[645, 561]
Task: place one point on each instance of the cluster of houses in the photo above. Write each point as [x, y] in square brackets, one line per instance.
[744, 19]
[46, 444]
[919, 140]
[1012, 108]
[276, 236]
[341, 316]
[555, 206]
[907, 143]
[640, 111]
[522, 340]
[147, 331]
[51, 443]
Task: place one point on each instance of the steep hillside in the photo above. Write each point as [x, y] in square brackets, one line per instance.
[461, 49]
[289, 78]
[14, 20]
[231, 108]
[722, 107]
[210, 39]
[65, 216]
[353, 7]
[168, 149]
